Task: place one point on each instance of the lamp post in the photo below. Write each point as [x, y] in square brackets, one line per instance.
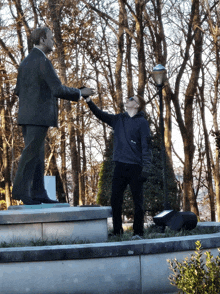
[163, 218]
[175, 220]
[159, 75]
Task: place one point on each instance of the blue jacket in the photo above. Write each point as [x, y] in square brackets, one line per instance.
[132, 140]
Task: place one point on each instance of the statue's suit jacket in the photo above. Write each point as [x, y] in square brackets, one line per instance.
[38, 88]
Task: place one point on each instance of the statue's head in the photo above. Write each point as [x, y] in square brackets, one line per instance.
[43, 38]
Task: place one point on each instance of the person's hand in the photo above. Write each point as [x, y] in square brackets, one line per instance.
[144, 176]
[146, 172]
[86, 92]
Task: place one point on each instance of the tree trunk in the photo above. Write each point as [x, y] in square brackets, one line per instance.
[186, 125]
[78, 144]
[84, 170]
[189, 147]
[55, 9]
[59, 183]
[128, 65]
[100, 101]
[217, 183]
[213, 25]
[5, 132]
[63, 138]
[167, 125]
[217, 157]
[74, 163]
[6, 161]
[119, 62]
[139, 5]
[207, 152]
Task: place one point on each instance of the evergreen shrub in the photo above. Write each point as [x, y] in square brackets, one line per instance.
[196, 276]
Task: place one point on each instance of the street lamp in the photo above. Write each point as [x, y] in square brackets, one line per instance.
[159, 76]
[174, 219]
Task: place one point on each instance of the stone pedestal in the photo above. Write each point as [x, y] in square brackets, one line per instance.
[51, 222]
[39, 206]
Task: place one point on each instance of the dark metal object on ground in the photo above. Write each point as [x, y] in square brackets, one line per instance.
[186, 220]
[162, 218]
[176, 220]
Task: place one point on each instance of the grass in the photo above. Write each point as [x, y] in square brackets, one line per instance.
[152, 232]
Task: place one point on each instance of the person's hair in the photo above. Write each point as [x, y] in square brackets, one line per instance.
[37, 34]
[142, 103]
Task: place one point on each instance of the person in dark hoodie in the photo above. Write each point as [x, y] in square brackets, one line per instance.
[132, 155]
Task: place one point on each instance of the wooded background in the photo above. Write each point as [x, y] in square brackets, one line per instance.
[113, 45]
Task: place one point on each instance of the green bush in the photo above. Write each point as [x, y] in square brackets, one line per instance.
[195, 275]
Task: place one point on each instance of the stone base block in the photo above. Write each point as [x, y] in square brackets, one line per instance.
[63, 223]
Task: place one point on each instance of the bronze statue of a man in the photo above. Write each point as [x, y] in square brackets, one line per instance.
[38, 88]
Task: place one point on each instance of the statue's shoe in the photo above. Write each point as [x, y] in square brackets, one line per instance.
[45, 200]
[26, 199]
[42, 197]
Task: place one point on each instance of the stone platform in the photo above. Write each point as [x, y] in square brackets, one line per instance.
[129, 267]
[25, 223]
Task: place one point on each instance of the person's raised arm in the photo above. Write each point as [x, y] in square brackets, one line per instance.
[102, 115]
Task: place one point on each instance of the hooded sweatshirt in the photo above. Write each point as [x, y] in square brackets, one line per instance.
[132, 140]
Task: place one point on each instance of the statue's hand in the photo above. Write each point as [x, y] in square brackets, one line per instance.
[86, 92]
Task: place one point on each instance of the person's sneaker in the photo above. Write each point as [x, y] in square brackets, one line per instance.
[136, 237]
[111, 235]
[114, 235]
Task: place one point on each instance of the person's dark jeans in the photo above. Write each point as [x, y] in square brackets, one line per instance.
[125, 174]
